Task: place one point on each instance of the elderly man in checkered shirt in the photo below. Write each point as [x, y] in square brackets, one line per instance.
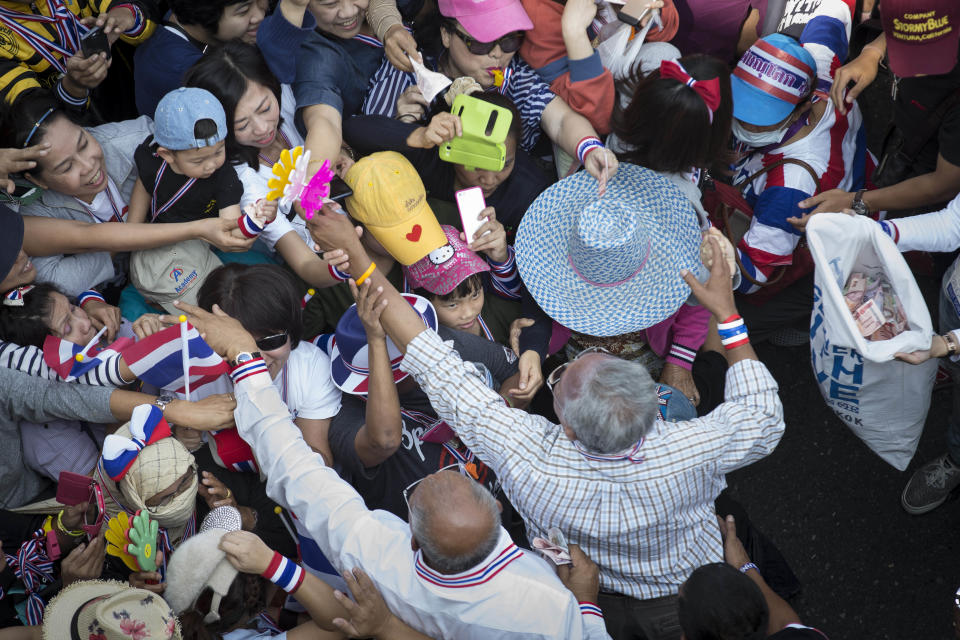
[635, 492]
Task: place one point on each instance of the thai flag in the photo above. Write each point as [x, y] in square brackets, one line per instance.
[61, 356]
[158, 360]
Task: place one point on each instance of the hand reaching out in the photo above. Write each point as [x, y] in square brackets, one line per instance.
[531, 377]
[85, 562]
[369, 615]
[246, 551]
[369, 308]
[516, 327]
[411, 103]
[214, 492]
[581, 576]
[104, 315]
[443, 127]
[490, 238]
[19, 160]
[398, 43]
[733, 552]
[602, 164]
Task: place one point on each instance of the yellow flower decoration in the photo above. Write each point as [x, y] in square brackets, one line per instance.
[289, 175]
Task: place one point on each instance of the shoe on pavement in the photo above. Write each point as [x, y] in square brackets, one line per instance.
[930, 486]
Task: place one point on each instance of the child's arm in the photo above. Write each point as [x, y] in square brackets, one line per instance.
[139, 203]
[306, 264]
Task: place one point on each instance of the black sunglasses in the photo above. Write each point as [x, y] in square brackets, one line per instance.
[269, 343]
[508, 43]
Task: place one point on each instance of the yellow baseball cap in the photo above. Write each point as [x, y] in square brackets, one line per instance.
[390, 201]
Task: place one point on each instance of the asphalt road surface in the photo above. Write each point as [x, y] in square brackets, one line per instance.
[869, 570]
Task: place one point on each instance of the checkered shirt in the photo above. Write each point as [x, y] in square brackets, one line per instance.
[646, 516]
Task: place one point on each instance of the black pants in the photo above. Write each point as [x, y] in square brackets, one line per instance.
[788, 308]
[631, 619]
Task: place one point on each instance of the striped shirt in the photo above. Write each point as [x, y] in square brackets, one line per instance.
[525, 88]
[835, 149]
[33, 52]
[29, 360]
[645, 516]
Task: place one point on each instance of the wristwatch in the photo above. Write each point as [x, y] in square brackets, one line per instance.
[163, 400]
[243, 358]
[859, 206]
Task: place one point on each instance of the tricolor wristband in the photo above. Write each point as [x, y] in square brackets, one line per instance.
[733, 332]
[89, 296]
[585, 146]
[336, 274]
[284, 572]
[248, 226]
[590, 609]
[247, 369]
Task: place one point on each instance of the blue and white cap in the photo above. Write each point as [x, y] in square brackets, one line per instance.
[178, 113]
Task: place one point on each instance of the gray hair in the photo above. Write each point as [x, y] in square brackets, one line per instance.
[614, 407]
[421, 517]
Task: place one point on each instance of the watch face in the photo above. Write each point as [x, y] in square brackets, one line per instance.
[244, 357]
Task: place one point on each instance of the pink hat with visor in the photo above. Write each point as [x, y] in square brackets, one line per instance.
[487, 20]
[443, 269]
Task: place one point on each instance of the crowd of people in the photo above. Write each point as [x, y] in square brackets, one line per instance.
[231, 409]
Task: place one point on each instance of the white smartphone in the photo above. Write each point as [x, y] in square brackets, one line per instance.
[470, 202]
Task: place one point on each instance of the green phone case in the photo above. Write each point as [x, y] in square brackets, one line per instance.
[485, 127]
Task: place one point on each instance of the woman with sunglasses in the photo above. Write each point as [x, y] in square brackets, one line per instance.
[480, 40]
[268, 305]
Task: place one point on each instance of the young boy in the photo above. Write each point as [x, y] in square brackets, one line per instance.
[182, 176]
[452, 279]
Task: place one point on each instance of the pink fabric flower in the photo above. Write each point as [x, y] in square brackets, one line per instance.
[134, 629]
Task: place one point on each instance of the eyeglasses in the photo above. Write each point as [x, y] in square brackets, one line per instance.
[554, 376]
[457, 466]
[508, 43]
[269, 343]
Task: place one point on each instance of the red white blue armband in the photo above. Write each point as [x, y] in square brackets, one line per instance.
[89, 296]
[284, 572]
[336, 274]
[733, 332]
[586, 145]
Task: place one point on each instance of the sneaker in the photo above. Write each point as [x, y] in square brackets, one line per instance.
[930, 486]
[789, 337]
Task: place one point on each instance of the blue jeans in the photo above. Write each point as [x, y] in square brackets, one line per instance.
[950, 320]
[678, 406]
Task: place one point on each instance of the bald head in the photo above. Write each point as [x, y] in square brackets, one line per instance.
[454, 520]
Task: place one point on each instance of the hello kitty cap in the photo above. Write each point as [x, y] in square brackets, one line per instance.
[441, 270]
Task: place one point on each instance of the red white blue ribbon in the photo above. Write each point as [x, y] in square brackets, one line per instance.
[15, 297]
[66, 23]
[173, 200]
[147, 426]
[480, 576]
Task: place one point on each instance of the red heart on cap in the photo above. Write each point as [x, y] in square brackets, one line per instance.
[414, 234]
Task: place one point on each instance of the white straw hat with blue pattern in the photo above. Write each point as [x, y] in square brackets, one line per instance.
[609, 266]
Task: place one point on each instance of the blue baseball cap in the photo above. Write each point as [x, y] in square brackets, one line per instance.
[771, 79]
[177, 114]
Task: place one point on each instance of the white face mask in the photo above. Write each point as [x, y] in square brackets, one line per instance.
[758, 139]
